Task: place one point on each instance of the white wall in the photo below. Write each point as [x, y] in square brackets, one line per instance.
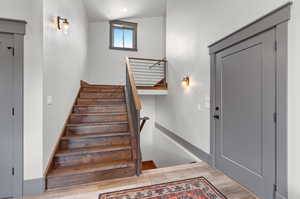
[184, 111]
[148, 110]
[155, 145]
[31, 11]
[166, 152]
[65, 65]
[108, 66]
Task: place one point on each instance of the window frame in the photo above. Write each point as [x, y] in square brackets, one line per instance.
[124, 25]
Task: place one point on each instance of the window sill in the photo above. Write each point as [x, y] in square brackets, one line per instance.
[124, 49]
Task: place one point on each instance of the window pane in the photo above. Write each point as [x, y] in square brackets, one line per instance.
[118, 38]
[128, 38]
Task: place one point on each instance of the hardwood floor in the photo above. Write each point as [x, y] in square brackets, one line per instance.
[149, 177]
[148, 165]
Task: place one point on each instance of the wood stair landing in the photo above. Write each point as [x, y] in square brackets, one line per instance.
[96, 143]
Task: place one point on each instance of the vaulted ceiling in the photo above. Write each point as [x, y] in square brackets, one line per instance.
[102, 10]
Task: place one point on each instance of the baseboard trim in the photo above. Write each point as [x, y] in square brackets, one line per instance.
[185, 144]
[279, 196]
[33, 187]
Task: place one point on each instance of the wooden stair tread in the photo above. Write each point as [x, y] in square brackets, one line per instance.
[89, 150]
[96, 143]
[103, 90]
[106, 91]
[86, 168]
[112, 108]
[104, 86]
[99, 114]
[95, 135]
[96, 124]
[95, 106]
[103, 99]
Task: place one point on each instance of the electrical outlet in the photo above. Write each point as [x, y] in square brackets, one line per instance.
[49, 100]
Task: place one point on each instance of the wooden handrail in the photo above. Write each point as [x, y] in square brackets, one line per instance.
[137, 99]
[145, 59]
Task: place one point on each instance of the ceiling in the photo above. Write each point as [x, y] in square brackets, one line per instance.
[103, 10]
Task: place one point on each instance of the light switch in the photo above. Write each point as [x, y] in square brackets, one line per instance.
[49, 100]
[207, 102]
[199, 107]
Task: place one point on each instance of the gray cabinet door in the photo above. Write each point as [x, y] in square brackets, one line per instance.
[245, 95]
[6, 118]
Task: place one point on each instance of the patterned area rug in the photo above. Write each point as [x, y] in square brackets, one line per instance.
[196, 188]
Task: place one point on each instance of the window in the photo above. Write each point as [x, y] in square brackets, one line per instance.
[123, 35]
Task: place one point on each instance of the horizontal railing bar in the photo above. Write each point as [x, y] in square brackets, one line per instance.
[144, 73]
[148, 70]
[140, 73]
[147, 81]
[156, 73]
[136, 58]
[148, 67]
[140, 69]
[143, 79]
[147, 62]
[148, 73]
[149, 77]
[145, 84]
[145, 65]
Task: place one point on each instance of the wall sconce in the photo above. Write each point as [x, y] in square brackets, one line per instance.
[186, 81]
[63, 24]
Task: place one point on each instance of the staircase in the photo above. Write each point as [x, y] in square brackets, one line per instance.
[97, 143]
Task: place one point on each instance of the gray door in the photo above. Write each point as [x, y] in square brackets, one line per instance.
[6, 118]
[245, 103]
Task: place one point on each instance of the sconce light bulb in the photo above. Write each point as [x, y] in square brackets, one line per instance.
[186, 81]
[65, 25]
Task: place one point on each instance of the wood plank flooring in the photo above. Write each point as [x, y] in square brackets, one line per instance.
[149, 177]
[148, 165]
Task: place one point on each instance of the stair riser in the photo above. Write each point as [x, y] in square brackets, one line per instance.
[89, 95]
[103, 90]
[73, 160]
[98, 129]
[77, 119]
[91, 142]
[99, 102]
[101, 109]
[65, 181]
[104, 86]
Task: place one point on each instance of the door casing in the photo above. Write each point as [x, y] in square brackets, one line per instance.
[17, 29]
[277, 19]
